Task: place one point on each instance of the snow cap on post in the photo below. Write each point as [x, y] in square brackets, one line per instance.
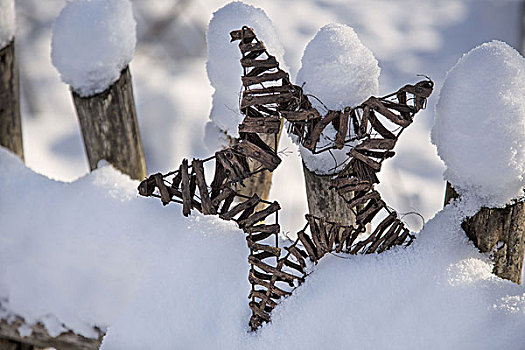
[338, 69]
[479, 126]
[7, 22]
[341, 72]
[93, 40]
[223, 66]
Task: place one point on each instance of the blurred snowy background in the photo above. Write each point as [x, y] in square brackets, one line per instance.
[173, 94]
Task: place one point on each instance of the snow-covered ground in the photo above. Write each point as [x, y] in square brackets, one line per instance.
[163, 281]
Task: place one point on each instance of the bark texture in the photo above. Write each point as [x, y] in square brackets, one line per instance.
[324, 201]
[500, 232]
[110, 128]
[10, 123]
[11, 339]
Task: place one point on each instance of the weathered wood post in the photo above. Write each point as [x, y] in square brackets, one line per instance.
[110, 128]
[342, 76]
[323, 200]
[92, 54]
[478, 135]
[500, 232]
[10, 123]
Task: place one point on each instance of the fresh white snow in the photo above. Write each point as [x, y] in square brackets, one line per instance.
[452, 296]
[93, 253]
[338, 71]
[7, 22]
[224, 69]
[93, 40]
[479, 125]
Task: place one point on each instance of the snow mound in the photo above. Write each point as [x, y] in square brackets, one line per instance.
[93, 40]
[479, 125]
[7, 22]
[91, 253]
[223, 66]
[339, 71]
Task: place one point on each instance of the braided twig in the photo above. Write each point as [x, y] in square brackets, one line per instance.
[267, 96]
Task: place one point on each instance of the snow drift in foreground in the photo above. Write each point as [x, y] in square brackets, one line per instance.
[7, 22]
[92, 253]
[93, 40]
[224, 69]
[479, 126]
[339, 71]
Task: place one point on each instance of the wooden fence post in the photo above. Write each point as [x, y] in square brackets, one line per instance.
[10, 123]
[324, 201]
[499, 231]
[110, 128]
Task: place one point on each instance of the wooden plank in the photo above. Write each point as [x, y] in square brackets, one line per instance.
[284, 276]
[260, 313]
[311, 142]
[344, 237]
[165, 196]
[363, 125]
[147, 187]
[308, 245]
[301, 115]
[263, 247]
[235, 168]
[297, 255]
[268, 63]
[264, 125]
[275, 290]
[363, 199]
[252, 80]
[366, 215]
[390, 239]
[250, 203]
[262, 295]
[380, 238]
[256, 100]
[270, 229]
[268, 159]
[245, 33]
[228, 202]
[207, 206]
[223, 195]
[315, 232]
[351, 184]
[269, 90]
[423, 88]
[386, 144]
[342, 129]
[218, 179]
[361, 157]
[380, 128]
[377, 106]
[256, 46]
[260, 215]
[294, 266]
[185, 184]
